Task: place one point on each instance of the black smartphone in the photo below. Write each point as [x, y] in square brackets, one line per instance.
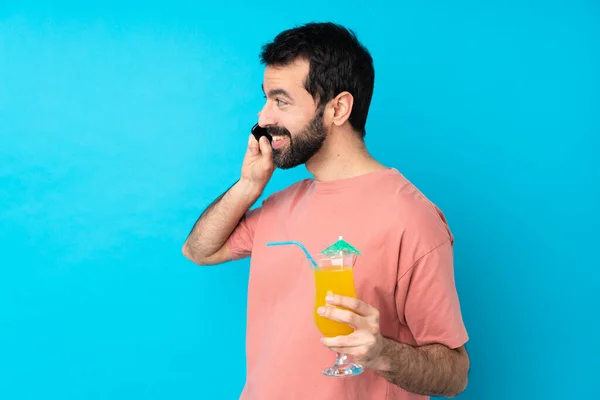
[259, 131]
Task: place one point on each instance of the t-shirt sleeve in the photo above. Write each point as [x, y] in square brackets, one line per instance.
[431, 306]
[242, 238]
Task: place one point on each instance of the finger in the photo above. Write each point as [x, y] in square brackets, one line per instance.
[349, 351]
[345, 316]
[343, 344]
[351, 340]
[360, 354]
[352, 303]
[265, 146]
[252, 145]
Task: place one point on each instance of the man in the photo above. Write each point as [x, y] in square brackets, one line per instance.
[408, 329]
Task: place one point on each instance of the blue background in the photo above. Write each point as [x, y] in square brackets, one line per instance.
[120, 123]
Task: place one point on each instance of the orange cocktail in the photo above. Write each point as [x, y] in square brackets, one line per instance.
[338, 280]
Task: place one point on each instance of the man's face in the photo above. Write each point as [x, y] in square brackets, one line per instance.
[291, 116]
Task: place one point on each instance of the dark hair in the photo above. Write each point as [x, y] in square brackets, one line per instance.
[338, 62]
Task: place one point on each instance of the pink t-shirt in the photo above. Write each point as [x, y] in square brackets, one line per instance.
[405, 271]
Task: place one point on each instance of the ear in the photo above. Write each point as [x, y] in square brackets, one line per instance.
[342, 107]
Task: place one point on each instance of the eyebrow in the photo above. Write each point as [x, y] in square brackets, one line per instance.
[277, 92]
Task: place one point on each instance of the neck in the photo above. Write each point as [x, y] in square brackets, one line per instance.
[343, 155]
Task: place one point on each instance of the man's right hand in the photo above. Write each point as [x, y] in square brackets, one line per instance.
[258, 166]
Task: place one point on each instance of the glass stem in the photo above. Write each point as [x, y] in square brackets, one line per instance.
[340, 359]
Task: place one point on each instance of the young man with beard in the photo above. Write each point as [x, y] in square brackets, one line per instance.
[408, 330]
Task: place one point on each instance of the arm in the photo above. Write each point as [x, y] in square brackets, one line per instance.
[433, 370]
[207, 242]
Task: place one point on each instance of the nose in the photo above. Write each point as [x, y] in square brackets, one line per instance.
[265, 117]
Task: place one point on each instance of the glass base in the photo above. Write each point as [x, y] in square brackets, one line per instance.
[343, 367]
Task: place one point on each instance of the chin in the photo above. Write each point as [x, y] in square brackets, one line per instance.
[285, 166]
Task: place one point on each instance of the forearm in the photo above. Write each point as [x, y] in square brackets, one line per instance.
[433, 370]
[217, 222]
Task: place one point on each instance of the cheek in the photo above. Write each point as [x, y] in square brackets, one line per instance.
[296, 122]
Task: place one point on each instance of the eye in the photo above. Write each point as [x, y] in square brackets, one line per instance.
[281, 103]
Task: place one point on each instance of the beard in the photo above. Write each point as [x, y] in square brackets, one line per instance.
[303, 145]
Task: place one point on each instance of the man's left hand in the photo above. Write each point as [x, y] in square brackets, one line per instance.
[365, 343]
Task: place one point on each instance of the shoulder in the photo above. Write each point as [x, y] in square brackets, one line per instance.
[283, 196]
[424, 225]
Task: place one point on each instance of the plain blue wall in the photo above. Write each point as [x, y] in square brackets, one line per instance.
[120, 123]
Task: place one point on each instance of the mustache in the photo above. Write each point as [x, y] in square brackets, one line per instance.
[278, 131]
